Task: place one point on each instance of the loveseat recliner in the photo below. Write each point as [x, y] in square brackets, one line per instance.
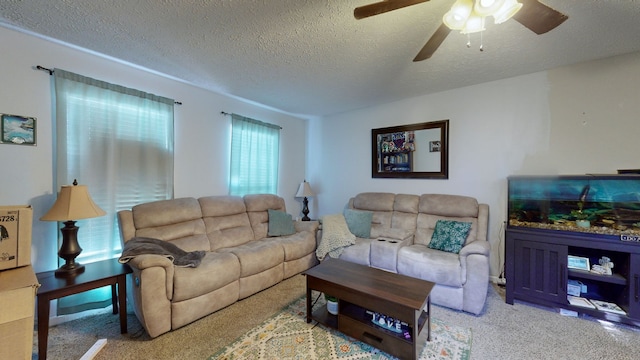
[401, 230]
[246, 251]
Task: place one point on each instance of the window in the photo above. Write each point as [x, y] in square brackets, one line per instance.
[254, 157]
[117, 141]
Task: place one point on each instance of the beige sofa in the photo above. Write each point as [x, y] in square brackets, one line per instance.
[240, 260]
[401, 230]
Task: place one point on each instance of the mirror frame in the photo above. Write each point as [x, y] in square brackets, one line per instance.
[443, 125]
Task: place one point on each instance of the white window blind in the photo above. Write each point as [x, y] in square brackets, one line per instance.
[255, 147]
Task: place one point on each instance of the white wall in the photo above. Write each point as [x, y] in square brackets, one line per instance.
[201, 132]
[572, 120]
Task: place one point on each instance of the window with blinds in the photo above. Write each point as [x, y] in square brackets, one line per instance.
[119, 142]
[255, 153]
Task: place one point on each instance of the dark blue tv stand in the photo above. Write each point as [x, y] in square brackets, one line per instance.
[536, 270]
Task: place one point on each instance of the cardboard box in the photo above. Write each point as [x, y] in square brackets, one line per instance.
[18, 289]
[15, 236]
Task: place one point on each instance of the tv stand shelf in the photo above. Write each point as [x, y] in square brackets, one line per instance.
[536, 270]
[613, 279]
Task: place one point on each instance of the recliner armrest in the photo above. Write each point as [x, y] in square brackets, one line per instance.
[479, 247]
[147, 261]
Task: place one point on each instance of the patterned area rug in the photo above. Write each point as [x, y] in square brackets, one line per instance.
[288, 336]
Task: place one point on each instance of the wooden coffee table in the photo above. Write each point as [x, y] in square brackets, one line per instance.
[362, 291]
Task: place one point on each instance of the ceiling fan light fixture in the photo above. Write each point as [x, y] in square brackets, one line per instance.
[456, 18]
[474, 24]
[506, 12]
[487, 7]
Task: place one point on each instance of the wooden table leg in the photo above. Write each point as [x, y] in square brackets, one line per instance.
[429, 318]
[122, 298]
[43, 326]
[114, 298]
[308, 303]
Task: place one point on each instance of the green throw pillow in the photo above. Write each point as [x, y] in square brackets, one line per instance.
[280, 223]
[449, 235]
[359, 222]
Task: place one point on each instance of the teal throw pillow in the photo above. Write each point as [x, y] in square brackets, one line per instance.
[449, 235]
[359, 222]
[280, 223]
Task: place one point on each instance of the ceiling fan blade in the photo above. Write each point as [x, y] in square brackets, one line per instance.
[383, 7]
[434, 42]
[538, 17]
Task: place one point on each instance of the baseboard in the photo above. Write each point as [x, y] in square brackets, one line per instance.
[59, 319]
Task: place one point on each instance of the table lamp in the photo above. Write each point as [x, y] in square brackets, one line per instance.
[305, 191]
[73, 203]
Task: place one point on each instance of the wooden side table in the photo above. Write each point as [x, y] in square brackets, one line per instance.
[95, 275]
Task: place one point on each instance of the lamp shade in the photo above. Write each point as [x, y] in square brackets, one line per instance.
[304, 190]
[458, 15]
[487, 7]
[73, 203]
[474, 24]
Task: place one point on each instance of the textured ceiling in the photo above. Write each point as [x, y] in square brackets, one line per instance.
[312, 57]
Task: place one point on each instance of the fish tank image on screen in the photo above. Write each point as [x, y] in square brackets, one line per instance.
[600, 204]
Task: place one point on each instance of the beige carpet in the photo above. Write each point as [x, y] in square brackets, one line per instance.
[502, 331]
[195, 341]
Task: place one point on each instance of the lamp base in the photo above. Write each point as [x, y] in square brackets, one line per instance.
[69, 250]
[305, 209]
[69, 270]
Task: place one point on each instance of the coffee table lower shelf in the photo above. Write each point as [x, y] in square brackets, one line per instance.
[352, 320]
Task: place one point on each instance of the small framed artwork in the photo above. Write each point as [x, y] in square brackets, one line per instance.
[579, 263]
[16, 129]
[434, 146]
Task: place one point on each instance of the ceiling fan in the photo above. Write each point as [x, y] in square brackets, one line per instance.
[534, 15]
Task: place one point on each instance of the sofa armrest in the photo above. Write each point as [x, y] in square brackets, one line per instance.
[479, 247]
[143, 262]
[310, 226]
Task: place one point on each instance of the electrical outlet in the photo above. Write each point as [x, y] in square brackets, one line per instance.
[501, 281]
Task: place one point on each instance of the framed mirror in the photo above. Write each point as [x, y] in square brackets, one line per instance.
[411, 151]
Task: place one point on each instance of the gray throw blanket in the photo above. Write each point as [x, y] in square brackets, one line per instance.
[144, 246]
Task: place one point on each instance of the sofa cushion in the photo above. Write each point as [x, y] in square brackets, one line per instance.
[176, 220]
[165, 212]
[359, 222]
[226, 221]
[215, 271]
[280, 223]
[374, 201]
[402, 220]
[406, 203]
[257, 206]
[437, 266]
[359, 253]
[381, 204]
[396, 234]
[257, 256]
[449, 235]
[448, 205]
[298, 245]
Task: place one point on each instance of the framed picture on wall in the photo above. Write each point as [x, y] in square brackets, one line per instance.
[18, 130]
[434, 146]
